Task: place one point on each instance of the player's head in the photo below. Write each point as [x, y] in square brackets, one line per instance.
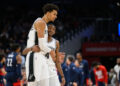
[79, 56]
[95, 64]
[118, 61]
[51, 30]
[2, 57]
[51, 11]
[15, 47]
[69, 60]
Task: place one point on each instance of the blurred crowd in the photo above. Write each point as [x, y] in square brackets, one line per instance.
[78, 71]
[15, 26]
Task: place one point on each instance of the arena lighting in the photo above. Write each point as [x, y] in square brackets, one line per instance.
[119, 29]
[118, 3]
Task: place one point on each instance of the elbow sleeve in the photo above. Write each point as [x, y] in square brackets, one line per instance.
[43, 45]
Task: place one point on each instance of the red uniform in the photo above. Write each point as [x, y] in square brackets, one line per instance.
[101, 74]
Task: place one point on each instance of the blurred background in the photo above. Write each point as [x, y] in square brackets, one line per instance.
[89, 26]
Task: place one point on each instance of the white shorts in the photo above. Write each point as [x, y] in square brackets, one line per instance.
[39, 83]
[52, 67]
[41, 70]
[54, 81]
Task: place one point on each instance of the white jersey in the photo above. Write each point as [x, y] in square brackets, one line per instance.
[50, 62]
[117, 70]
[40, 63]
[32, 35]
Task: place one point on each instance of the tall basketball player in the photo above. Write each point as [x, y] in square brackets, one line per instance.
[52, 62]
[36, 62]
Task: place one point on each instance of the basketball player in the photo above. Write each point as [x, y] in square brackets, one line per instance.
[52, 62]
[13, 66]
[36, 62]
[2, 70]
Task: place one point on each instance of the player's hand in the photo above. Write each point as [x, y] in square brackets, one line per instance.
[35, 48]
[63, 81]
[75, 84]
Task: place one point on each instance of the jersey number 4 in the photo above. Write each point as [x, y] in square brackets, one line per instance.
[9, 62]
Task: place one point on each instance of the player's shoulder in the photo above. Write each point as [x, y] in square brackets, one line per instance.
[115, 67]
[102, 67]
[39, 22]
[72, 65]
[57, 41]
[85, 61]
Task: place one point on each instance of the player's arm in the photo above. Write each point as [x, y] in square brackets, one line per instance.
[40, 28]
[106, 76]
[88, 80]
[58, 64]
[26, 50]
[35, 48]
[18, 68]
[96, 79]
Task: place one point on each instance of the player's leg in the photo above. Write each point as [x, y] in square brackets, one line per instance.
[54, 81]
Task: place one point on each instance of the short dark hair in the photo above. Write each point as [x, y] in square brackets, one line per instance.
[50, 24]
[95, 63]
[49, 7]
[2, 55]
[71, 58]
[14, 46]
